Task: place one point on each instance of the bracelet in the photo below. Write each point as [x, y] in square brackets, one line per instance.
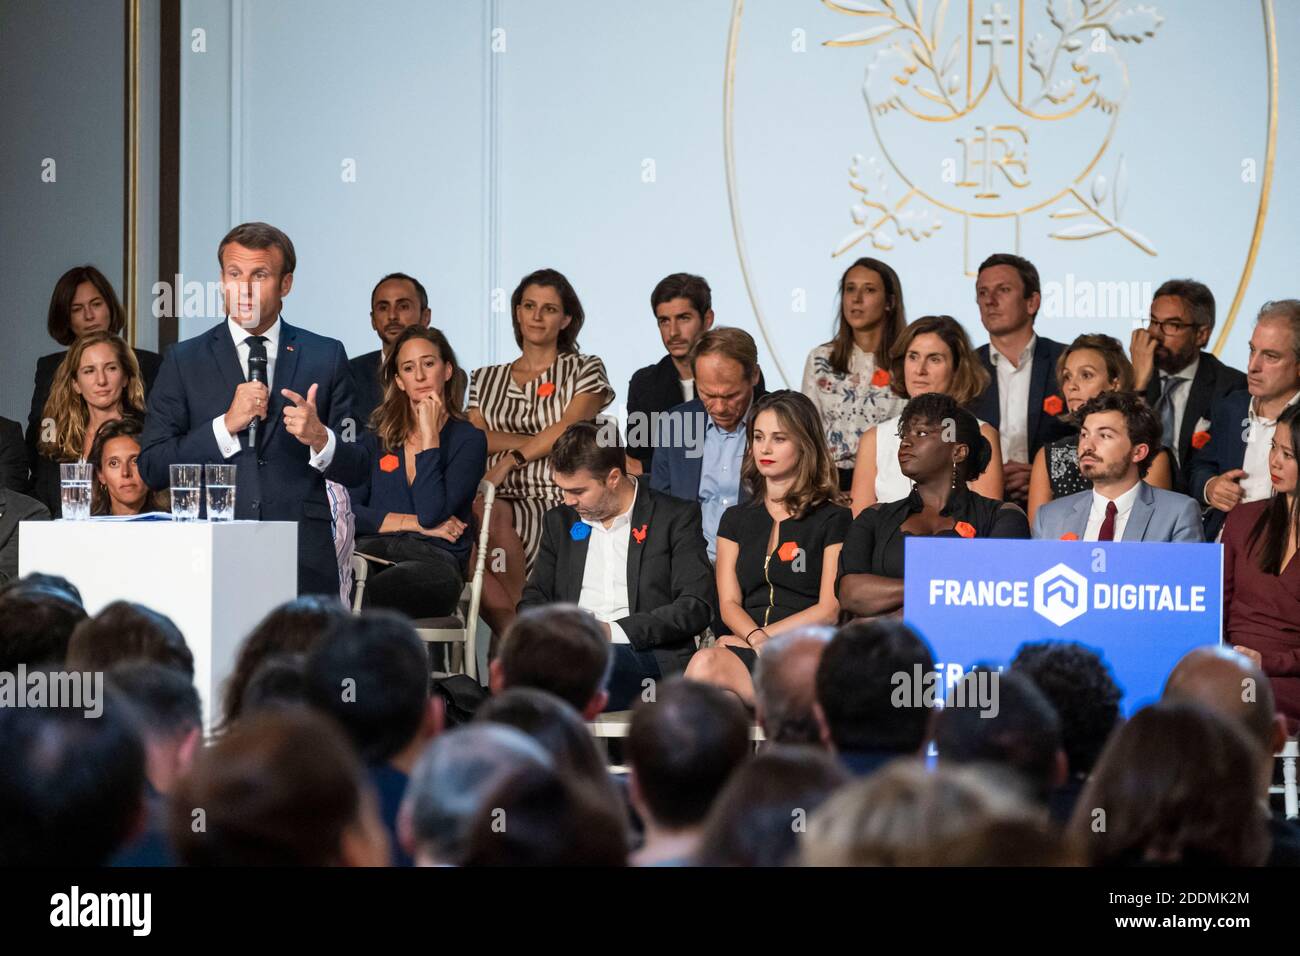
[518, 457]
[751, 634]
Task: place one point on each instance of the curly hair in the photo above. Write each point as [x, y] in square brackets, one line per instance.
[1079, 685]
[67, 408]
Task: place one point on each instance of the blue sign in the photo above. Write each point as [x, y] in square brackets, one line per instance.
[1141, 605]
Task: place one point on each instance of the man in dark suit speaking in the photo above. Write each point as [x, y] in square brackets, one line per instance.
[205, 400]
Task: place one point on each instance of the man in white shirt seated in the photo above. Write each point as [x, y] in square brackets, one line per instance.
[1119, 437]
[631, 556]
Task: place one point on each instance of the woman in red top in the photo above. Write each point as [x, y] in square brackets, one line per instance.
[1261, 579]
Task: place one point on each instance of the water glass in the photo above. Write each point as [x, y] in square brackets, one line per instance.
[221, 492]
[74, 486]
[186, 488]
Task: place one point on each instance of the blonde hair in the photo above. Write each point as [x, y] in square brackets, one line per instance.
[68, 409]
[393, 420]
[816, 481]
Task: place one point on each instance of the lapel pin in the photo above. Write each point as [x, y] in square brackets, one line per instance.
[580, 531]
[639, 533]
[788, 550]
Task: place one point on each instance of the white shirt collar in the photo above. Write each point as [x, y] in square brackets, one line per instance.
[1269, 421]
[997, 357]
[619, 520]
[239, 334]
[1123, 504]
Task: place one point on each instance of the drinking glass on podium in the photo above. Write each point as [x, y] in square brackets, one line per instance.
[221, 492]
[186, 489]
[74, 489]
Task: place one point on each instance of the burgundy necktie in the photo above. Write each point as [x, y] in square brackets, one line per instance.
[1107, 532]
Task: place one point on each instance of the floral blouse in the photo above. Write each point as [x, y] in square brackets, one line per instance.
[849, 404]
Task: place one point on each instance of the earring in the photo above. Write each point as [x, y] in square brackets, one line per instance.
[954, 476]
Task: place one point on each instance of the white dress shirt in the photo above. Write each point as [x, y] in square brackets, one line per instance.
[1123, 505]
[688, 389]
[227, 443]
[604, 576]
[1013, 400]
[1259, 439]
[1179, 399]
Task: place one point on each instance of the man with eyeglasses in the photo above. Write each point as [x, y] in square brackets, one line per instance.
[1181, 381]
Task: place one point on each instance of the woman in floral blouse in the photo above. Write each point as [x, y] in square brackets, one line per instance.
[848, 377]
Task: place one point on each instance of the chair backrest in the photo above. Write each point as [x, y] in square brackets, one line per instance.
[489, 493]
[359, 572]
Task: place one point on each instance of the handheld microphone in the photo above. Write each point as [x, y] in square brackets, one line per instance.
[256, 373]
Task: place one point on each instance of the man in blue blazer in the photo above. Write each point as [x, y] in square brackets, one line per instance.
[1119, 436]
[205, 400]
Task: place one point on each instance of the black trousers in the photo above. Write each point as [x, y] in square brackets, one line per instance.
[630, 669]
[424, 580]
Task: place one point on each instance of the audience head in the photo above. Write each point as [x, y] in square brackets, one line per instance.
[785, 685]
[934, 354]
[682, 748]
[724, 362]
[397, 302]
[870, 299]
[1080, 688]
[1090, 365]
[83, 301]
[72, 788]
[900, 814]
[37, 618]
[292, 628]
[1182, 318]
[453, 780]
[587, 467]
[1015, 841]
[546, 311]
[786, 442]
[1177, 784]
[257, 264]
[38, 582]
[278, 683]
[168, 715]
[558, 648]
[683, 306]
[119, 488]
[938, 439]
[856, 685]
[1273, 371]
[420, 363]
[1003, 720]
[1279, 522]
[124, 631]
[1008, 293]
[98, 372]
[1118, 438]
[371, 674]
[760, 812]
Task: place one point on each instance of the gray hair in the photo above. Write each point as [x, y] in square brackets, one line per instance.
[786, 710]
[1288, 310]
[456, 774]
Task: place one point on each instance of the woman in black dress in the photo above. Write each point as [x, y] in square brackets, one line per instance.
[777, 553]
[940, 505]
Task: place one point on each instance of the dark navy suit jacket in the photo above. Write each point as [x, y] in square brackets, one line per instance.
[674, 471]
[1226, 449]
[1043, 427]
[274, 482]
[366, 393]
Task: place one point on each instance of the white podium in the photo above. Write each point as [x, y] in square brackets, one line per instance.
[214, 580]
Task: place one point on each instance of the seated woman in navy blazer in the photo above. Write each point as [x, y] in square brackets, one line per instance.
[779, 551]
[413, 513]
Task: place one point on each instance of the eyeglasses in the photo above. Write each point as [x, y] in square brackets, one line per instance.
[1169, 326]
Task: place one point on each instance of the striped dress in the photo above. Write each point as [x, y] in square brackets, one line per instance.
[535, 407]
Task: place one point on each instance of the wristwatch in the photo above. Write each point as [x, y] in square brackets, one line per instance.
[517, 455]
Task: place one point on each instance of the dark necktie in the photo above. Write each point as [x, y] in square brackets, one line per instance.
[1107, 532]
[1165, 405]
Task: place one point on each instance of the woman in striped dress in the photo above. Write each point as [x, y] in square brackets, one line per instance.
[523, 406]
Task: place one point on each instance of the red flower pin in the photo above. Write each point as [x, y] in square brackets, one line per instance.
[1200, 439]
[1053, 405]
[965, 529]
[546, 389]
[639, 533]
[788, 550]
[881, 378]
[388, 463]
[1069, 536]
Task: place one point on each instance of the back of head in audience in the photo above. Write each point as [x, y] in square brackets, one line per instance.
[1017, 731]
[558, 648]
[1004, 842]
[279, 683]
[785, 685]
[856, 685]
[761, 811]
[72, 787]
[292, 628]
[124, 631]
[896, 816]
[1080, 688]
[37, 618]
[169, 716]
[371, 674]
[1177, 784]
[278, 789]
[538, 816]
[452, 782]
[682, 748]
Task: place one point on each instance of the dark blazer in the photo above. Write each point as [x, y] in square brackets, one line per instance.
[366, 393]
[1213, 380]
[657, 388]
[1157, 515]
[47, 365]
[13, 509]
[676, 473]
[273, 482]
[1226, 450]
[1043, 428]
[13, 457]
[670, 587]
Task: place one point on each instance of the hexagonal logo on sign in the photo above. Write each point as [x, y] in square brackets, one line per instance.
[1060, 594]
